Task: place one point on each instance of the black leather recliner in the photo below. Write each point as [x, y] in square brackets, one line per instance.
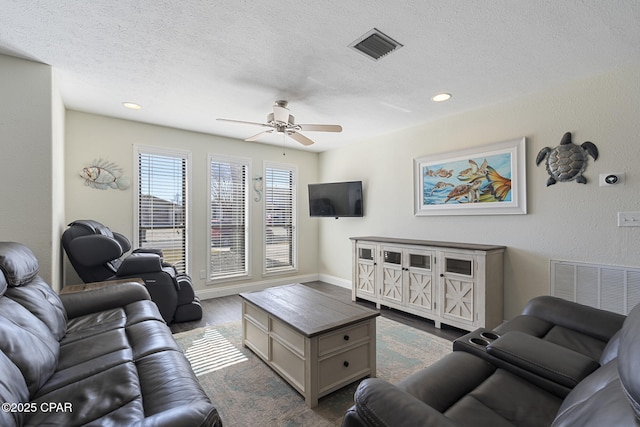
[96, 254]
[559, 364]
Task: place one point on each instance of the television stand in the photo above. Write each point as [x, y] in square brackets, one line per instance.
[459, 284]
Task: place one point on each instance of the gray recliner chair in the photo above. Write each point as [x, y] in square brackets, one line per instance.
[97, 254]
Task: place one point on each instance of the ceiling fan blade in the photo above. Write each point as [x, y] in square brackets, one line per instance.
[258, 135]
[301, 138]
[243, 122]
[321, 128]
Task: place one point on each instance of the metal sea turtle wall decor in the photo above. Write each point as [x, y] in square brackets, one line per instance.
[567, 161]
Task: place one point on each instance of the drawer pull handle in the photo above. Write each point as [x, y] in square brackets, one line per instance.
[346, 364]
[346, 337]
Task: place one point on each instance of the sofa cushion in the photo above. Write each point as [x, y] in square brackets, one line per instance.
[161, 392]
[28, 342]
[109, 396]
[573, 339]
[438, 388]
[576, 341]
[13, 389]
[527, 324]
[18, 263]
[39, 299]
[505, 399]
[114, 365]
[597, 323]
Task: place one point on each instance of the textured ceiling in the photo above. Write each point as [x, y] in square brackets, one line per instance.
[188, 62]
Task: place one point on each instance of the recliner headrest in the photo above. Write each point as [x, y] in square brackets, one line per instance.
[94, 226]
[629, 359]
[18, 264]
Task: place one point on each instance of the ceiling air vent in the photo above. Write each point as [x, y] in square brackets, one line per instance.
[375, 44]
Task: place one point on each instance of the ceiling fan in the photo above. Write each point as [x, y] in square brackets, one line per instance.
[281, 121]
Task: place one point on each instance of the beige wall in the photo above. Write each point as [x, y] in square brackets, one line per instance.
[566, 221]
[90, 137]
[31, 131]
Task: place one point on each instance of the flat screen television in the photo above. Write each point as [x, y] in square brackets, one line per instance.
[336, 199]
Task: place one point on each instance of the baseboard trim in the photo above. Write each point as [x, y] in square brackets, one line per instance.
[237, 287]
[333, 280]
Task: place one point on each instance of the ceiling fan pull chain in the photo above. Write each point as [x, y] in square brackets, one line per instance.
[284, 141]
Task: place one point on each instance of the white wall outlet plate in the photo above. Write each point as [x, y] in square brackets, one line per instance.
[611, 179]
[628, 219]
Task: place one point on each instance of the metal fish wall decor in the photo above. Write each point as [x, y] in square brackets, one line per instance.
[102, 174]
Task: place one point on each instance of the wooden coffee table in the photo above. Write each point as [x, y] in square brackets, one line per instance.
[316, 342]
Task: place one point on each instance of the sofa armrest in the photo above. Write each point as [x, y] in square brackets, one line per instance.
[139, 263]
[113, 296]
[543, 358]
[591, 321]
[379, 403]
[196, 414]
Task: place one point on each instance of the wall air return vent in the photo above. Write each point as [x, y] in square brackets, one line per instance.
[375, 44]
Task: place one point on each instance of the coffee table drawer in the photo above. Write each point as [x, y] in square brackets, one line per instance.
[337, 369]
[343, 338]
[288, 336]
[256, 338]
[290, 365]
[257, 316]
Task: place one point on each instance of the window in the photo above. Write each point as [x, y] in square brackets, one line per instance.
[280, 218]
[229, 197]
[161, 214]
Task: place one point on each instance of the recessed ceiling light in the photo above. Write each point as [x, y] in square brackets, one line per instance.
[132, 105]
[441, 97]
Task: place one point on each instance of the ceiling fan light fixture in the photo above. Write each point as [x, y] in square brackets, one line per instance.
[441, 97]
[281, 112]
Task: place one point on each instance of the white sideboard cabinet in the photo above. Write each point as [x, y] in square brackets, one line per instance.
[456, 284]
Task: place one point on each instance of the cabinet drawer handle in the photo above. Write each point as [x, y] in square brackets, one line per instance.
[346, 337]
[346, 364]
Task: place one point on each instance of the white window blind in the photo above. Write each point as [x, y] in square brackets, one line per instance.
[280, 218]
[162, 199]
[229, 207]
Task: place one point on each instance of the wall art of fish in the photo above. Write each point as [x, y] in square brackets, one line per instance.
[102, 174]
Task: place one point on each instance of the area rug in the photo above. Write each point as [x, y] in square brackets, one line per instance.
[247, 392]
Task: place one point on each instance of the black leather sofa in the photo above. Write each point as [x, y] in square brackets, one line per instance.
[558, 364]
[97, 255]
[101, 357]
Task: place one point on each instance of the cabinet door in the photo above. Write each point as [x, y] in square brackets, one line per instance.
[419, 269]
[392, 272]
[457, 300]
[366, 273]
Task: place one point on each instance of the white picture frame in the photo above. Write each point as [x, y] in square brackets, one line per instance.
[485, 180]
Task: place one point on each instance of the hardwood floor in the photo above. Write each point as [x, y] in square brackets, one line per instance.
[229, 309]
